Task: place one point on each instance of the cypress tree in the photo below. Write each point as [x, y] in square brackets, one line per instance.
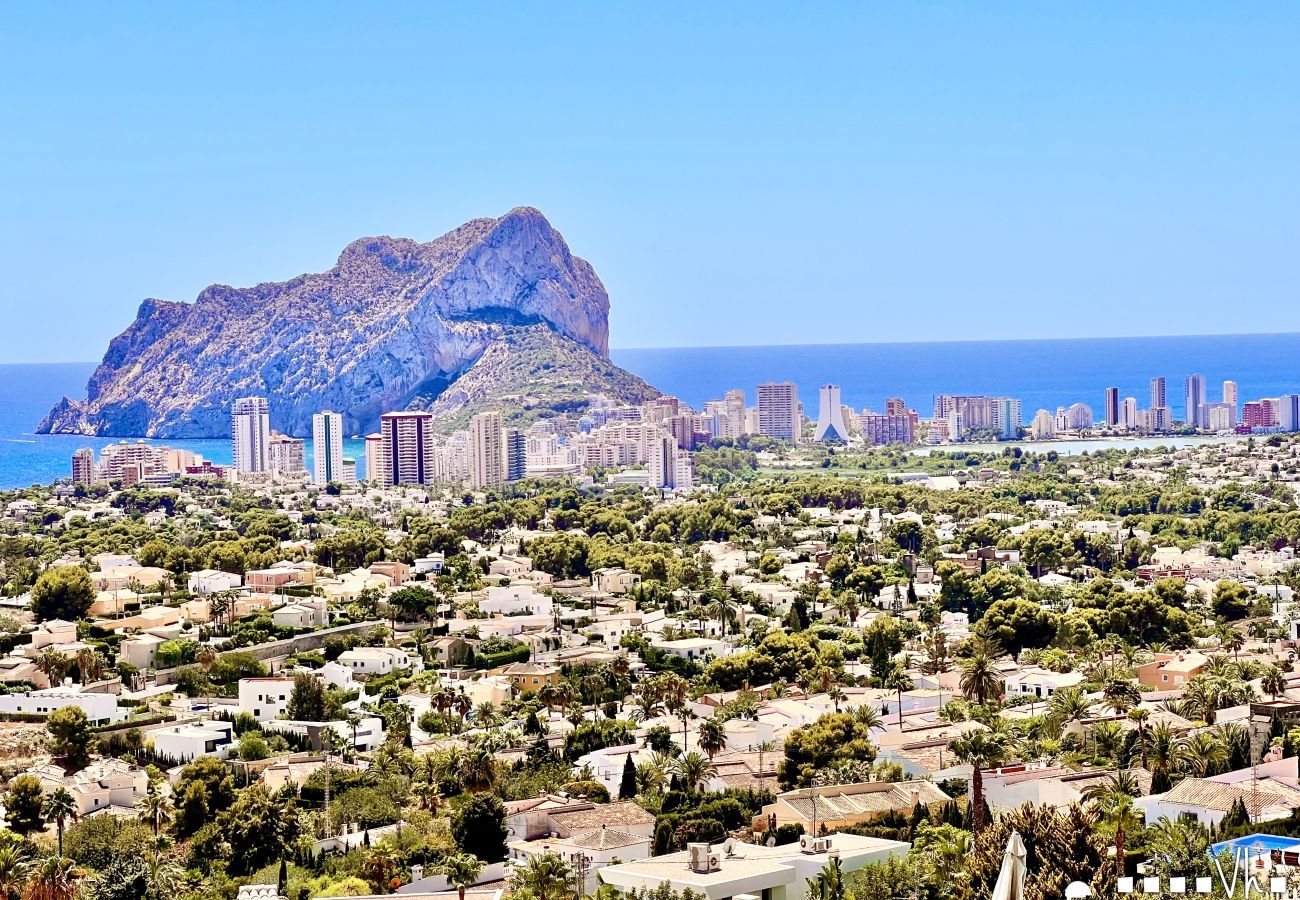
[627, 786]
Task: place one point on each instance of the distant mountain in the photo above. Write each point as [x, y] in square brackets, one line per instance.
[496, 313]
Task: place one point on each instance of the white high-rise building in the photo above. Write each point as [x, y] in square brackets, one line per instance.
[735, 400]
[327, 447]
[407, 449]
[1221, 416]
[778, 411]
[1043, 428]
[1158, 393]
[1006, 418]
[1128, 413]
[1288, 412]
[1195, 401]
[1079, 416]
[251, 435]
[288, 455]
[830, 416]
[671, 468]
[1230, 393]
[487, 451]
[375, 458]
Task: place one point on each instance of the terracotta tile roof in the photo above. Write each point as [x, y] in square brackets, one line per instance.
[1256, 795]
[614, 815]
[607, 839]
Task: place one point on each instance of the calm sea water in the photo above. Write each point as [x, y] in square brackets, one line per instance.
[1044, 374]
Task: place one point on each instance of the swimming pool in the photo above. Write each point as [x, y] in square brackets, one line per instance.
[1254, 842]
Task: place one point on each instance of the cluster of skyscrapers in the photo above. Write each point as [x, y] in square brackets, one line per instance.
[653, 440]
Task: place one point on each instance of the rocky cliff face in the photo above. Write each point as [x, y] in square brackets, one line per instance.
[393, 324]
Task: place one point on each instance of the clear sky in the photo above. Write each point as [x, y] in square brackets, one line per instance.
[738, 173]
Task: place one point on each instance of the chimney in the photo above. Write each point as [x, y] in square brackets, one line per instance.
[417, 873]
[916, 798]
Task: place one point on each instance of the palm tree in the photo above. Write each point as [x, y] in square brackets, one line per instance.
[1273, 682]
[156, 809]
[59, 807]
[980, 750]
[485, 714]
[899, 681]
[1106, 737]
[13, 870]
[829, 882]
[980, 678]
[1113, 801]
[164, 878]
[1121, 695]
[90, 664]
[54, 878]
[1067, 706]
[53, 664]
[478, 770]
[694, 768]
[1140, 717]
[645, 707]
[1201, 753]
[595, 685]
[868, 715]
[461, 871]
[712, 736]
[546, 876]
[378, 867]
[206, 657]
[1232, 641]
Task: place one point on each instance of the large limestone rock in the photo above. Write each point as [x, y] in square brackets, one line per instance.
[394, 323]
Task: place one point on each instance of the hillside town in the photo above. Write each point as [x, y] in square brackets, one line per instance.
[852, 669]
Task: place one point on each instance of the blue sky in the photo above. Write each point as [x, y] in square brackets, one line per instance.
[743, 173]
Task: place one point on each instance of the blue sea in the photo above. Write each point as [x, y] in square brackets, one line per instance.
[1043, 374]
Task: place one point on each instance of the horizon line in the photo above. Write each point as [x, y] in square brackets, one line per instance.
[1019, 340]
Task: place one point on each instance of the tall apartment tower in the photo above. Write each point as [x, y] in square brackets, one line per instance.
[1128, 413]
[516, 455]
[778, 411]
[1196, 414]
[375, 458]
[1158, 393]
[1230, 395]
[830, 416]
[894, 406]
[1006, 417]
[670, 467]
[487, 451]
[287, 454]
[327, 447]
[1288, 412]
[251, 434]
[1111, 407]
[735, 400]
[83, 466]
[406, 447]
